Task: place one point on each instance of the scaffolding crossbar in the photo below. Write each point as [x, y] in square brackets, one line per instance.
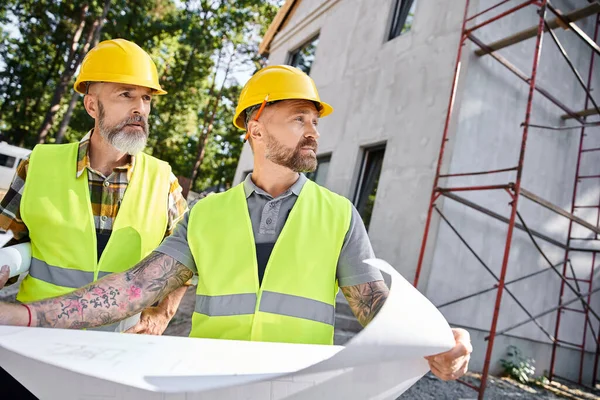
[551, 310]
[501, 218]
[552, 207]
[508, 65]
[496, 287]
[529, 33]
[502, 15]
[494, 171]
[575, 29]
[585, 113]
[592, 149]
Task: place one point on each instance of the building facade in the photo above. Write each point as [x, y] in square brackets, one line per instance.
[387, 68]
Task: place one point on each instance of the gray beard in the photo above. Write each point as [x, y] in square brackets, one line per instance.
[126, 142]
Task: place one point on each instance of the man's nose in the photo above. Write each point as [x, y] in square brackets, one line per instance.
[312, 131]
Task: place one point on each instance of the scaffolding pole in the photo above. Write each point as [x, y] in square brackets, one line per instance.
[514, 203]
[582, 151]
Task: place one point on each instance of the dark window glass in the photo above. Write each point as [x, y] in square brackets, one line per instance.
[402, 18]
[7, 161]
[319, 176]
[304, 56]
[366, 190]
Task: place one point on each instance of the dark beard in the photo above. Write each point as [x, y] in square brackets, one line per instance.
[292, 158]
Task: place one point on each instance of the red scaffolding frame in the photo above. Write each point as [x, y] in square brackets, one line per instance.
[567, 275]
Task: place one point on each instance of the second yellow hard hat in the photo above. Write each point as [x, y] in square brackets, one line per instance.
[278, 82]
[118, 61]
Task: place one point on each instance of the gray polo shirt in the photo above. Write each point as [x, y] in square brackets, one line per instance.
[268, 216]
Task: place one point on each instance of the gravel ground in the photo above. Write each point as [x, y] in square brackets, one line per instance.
[428, 388]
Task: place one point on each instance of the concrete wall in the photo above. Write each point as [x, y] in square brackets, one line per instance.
[397, 92]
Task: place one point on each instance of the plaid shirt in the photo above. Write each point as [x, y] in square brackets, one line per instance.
[105, 199]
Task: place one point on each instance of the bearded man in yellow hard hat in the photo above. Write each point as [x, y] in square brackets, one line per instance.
[270, 252]
[97, 207]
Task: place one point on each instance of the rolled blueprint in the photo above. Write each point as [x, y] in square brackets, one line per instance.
[379, 363]
[18, 258]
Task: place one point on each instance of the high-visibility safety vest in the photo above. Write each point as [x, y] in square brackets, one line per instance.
[57, 211]
[296, 301]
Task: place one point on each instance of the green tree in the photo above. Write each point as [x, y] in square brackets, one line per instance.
[198, 47]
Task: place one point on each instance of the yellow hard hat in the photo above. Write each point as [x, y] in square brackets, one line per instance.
[277, 82]
[118, 61]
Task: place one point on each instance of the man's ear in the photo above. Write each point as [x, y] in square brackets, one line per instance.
[255, 130]
[90, 102]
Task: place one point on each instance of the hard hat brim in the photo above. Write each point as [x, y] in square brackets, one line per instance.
[79, 86]
[239, 120]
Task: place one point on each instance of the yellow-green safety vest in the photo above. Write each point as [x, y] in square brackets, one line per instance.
[57, 211]
[296, 301]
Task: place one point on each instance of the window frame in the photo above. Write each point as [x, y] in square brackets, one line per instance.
[400, 12]
[8, 157]
[320, 158]
[292, 53]
[366, 151]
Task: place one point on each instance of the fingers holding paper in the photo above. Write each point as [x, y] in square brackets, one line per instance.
[153, 321]
[4, 274]
[454, 363]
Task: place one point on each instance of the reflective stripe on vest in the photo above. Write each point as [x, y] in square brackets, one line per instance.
[70, 278]
[271, 302]
[296, 306]
[230, 304]
[296, 301]
[61, 225]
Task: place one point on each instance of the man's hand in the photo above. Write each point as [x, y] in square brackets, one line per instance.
[366, 300]
[454, 363]
[153, 321]
[4, 271]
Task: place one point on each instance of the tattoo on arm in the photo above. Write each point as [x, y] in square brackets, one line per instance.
[366, 299]
[114, 297]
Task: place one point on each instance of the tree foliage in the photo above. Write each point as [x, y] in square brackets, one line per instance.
[200, 48]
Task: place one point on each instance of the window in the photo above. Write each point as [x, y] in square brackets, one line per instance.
[366, 190]
[402, 18]
[304, 56]
[319, 176]
[7, 161]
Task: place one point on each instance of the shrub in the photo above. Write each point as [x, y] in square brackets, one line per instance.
[517, 366]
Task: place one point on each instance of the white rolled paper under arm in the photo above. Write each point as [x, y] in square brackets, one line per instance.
[17, 257]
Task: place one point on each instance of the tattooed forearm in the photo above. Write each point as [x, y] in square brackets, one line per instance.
[366, 299]
[114, 297]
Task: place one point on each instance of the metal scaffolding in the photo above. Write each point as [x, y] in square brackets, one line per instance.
[549, 19]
